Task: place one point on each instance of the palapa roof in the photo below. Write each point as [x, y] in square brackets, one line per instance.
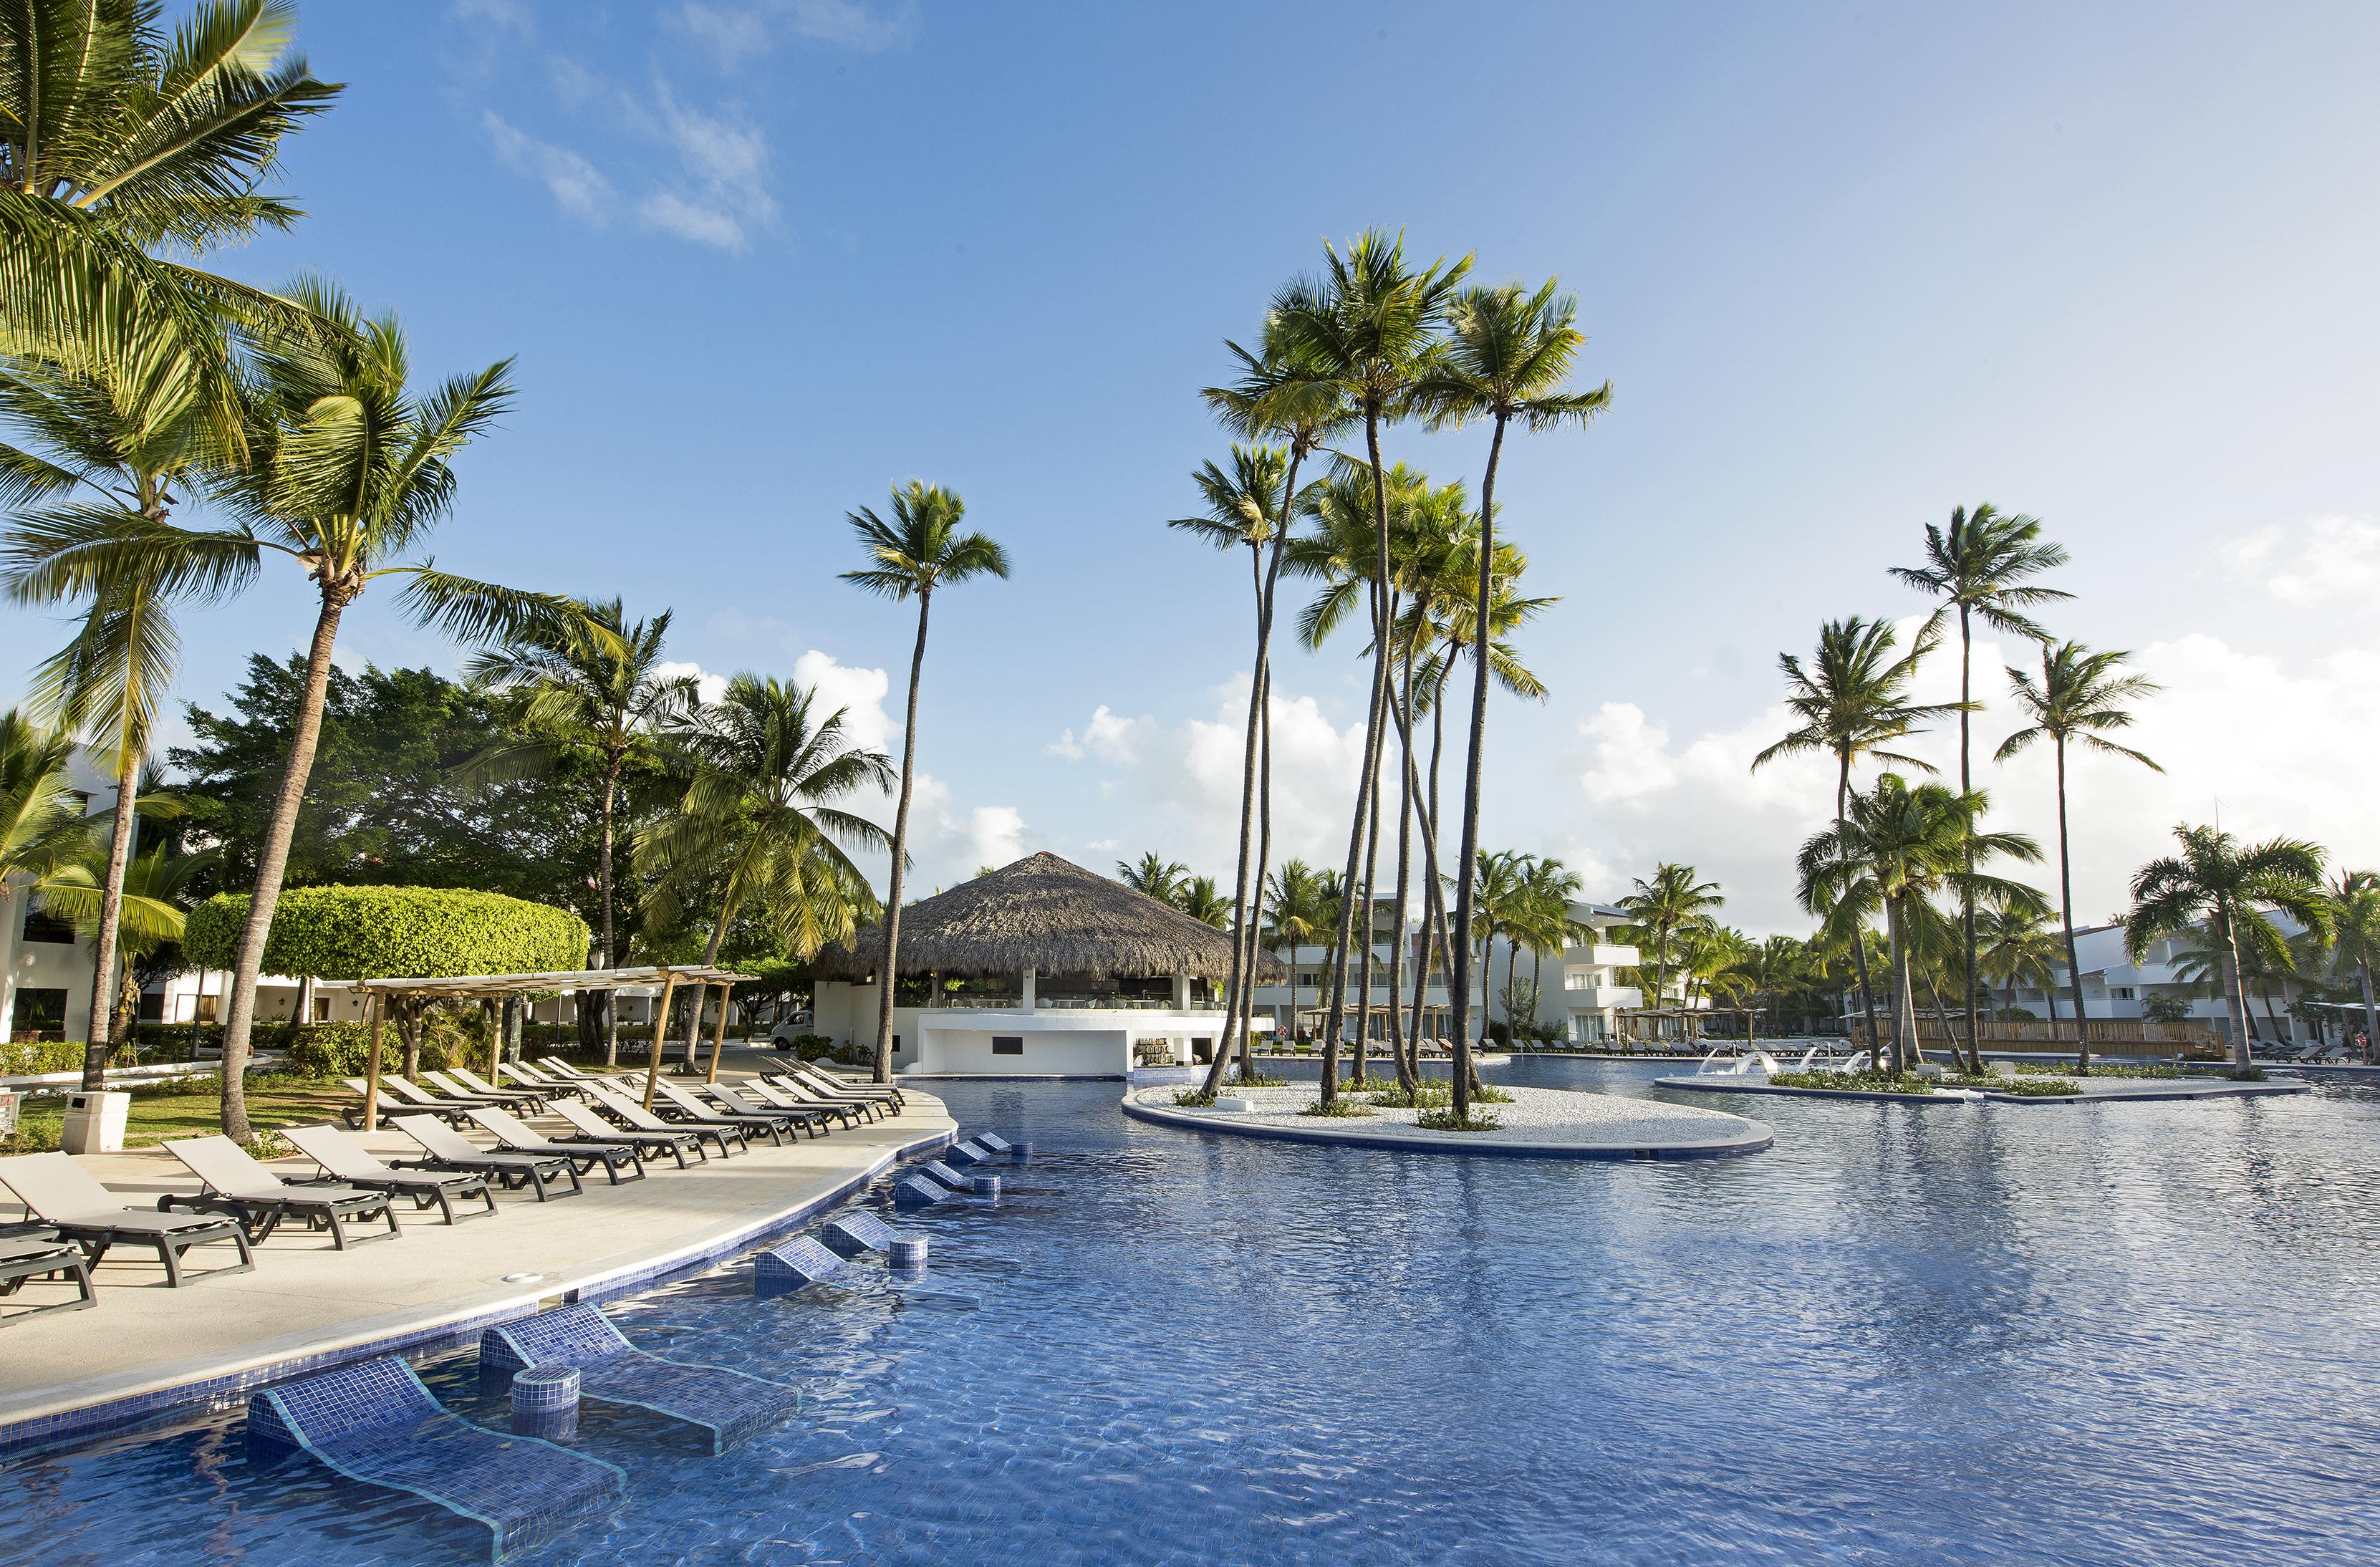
[1048, 915]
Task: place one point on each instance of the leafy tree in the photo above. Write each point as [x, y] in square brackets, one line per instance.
[41, 811]
[2217, 882]
[1661, 907]
[1202, 901]
[1301, 914]
[2078, 699]
[1153, 876]
[1980, 567]
[2354, 951]
[1853, 701]
[920, 549]
[2015, 946]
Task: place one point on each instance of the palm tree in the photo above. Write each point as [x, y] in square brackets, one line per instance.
[759, 819]
[1979, 566]
[1366, 325]
[2015, 946]
[151, 893]
[921, 550]
[1852, 699]
[589, 687]
[345, 468]
[1661, 907]
[1544, 924]
[1153, 876]
[2355, 940]
[2220, 884]
[116, 140]
[1508, 356]
[41, 827]
[1295, 899]
[1499, 892]
[1281, 395]
[112, 447]
[2079, 698]
[1898, 849]
[1202, 901]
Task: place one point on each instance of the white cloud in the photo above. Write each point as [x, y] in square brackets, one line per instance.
[707, 686]
[2323, 560]
[505, 16]
[670, 213]
[859, 692]
[1106, 736]
[576, 184]
[735, 34]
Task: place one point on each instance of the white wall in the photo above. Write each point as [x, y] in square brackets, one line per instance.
[1067, 1052]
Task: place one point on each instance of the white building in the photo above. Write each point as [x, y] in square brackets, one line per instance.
[1041, 969]
[2114, 986]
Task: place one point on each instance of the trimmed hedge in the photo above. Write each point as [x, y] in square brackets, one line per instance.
[390, 933]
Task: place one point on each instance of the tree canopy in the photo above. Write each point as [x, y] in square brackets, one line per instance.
[392, 933]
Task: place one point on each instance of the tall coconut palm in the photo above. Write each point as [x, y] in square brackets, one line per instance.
[591, 687]
[1498, 889]
[1508, 357]
[2078, 699]
[1295, 918]
[1367, 326]
[2015, 946]
[758, 822]
[1896, 850]
[2219, 885]
[1660, 907]
[153, 892]
[117, 141]
[1852, 700]
[1153, 876]
[2355, 941]
[346, 467]
[1545, 924]
[41, 826]
[1981, 568]
[1281, 395]
[1202, 901]
[113, 446]
[921, 550]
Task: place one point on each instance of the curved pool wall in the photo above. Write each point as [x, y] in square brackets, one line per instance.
[2110, 1335]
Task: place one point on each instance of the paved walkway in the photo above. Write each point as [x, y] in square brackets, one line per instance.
[305, 1300]
[1557, 1122]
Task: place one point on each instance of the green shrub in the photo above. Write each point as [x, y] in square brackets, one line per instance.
[1486, 1093]
[391, 932]
[2249, 1075]
[1194, 1099]
[1257, 1080]
[1446, 1120]
[1342, 1107]
[56, 1055]
[1398, 1097]
[1861, 1082]
[2032, 1088]
[811, 1047]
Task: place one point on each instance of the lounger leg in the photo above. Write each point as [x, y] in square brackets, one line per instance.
[445, 1205]
[247, 1256]
[338, 1231]
[388, 1211]
[537, 1180]
[171, 1258]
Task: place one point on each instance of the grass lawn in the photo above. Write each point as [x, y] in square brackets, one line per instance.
[187, 1110]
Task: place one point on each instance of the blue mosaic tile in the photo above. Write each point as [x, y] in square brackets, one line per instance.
[916, 1190]
[790, 1265]
[995, 1143]
[856, 1233]
[986, 1186]
[728, 1404]
[967, 1153]
[945, 1174]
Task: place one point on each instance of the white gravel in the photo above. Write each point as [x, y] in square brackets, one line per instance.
[1545, 1116]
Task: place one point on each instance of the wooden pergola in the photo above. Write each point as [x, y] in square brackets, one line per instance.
[492, 986]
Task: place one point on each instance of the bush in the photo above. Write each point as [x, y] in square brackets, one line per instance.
[1340, 1108]
[810, 1047]
[1862, 1081]
[1257, 1080]
[391, 932]
[852, 1055]
[1446, 1120]
[2032, 1088]
[1194, 1099]
[56, 1055]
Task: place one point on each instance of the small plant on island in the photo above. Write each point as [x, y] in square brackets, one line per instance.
[1343, 1108]
[1194, 1099]
[2035, 1087]
[1255, 1080]
[1446, 1120]
[1853, 1083]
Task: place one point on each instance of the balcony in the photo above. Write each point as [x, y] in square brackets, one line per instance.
[1598, 997]
[1600, 956]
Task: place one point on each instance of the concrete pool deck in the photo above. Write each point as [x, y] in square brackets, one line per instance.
[146, 1350]
[1541, 1123]
[2096, 1090]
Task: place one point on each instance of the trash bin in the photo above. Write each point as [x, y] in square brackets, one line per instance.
[95, 1122]
[11, 1101]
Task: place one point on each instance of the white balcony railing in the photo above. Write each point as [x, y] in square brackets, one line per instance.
[1600, 996]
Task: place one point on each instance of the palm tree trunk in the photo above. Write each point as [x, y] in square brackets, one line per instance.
[1434, 929]
[1967, 894]
[1859, 937]
[1384, 690]
[2066, 913]
[1235, 985]
[886, 980]
[1458, 994]
[1402, 697]
[273, 861]
[100, 1037]
[2235, 996]
[2371, 1015]
[1537, 982]
[611, 1014]
[1904, 1001]
[1264, 857]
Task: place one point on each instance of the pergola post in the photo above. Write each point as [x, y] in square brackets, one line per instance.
[660, 1035]
[718, 1038]
[371, 1070]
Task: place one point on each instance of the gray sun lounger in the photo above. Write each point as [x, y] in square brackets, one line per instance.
[235, 1184]
[62, 1195]
[734, 1101]
[514, 1136]
[463, 1080]
[445, 1149]
[403, 1093]
[675, 1104]
[828, 1082]
[729, 1405]
[23, 1258]
[788, 1095]
[637, 1118]
[342, 1159]
[676, 1140]
[553, 1089]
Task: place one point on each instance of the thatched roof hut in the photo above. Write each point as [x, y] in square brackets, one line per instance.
[1048, 915]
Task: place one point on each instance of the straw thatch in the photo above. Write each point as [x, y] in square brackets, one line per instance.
[1048, 915]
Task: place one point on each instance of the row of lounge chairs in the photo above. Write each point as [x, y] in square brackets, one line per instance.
[241, 1201]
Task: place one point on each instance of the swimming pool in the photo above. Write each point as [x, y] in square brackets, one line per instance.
[2092, 1334]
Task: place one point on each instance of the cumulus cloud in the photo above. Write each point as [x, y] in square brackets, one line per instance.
[737, 33]
[2324, 560]
[707, 686]
[577, 186]
[1107, 736]
[504, 15]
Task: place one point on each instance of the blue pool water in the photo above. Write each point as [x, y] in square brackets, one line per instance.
[2094, 1334]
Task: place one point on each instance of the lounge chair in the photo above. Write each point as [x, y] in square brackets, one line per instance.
[473, 1083]
[784, 1096]
[729, 1405]
[528, 1076]
[677, 1141]
[454, 1088]
[62, 1195]
[394, 1098]
[676, 1104]
[637, 1118]
[735, 1100]
[515, 1137]
[344, 1160]
[829, 1082]
[24, 1257]
[445, 1149]
[235, 1184]
[555, 1066]
[796, 1090]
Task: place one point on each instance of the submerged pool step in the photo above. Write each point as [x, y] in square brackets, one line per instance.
[376, 1422]
[729, 1405]
[857, 1234]
[793, 1265]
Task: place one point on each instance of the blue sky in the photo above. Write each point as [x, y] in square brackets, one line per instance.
[1846, 267]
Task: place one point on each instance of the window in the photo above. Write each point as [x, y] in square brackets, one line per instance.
[38, 1012]
[152, 1006]
[1008, 1044]
[207, 1006]
[41, 926]
[2121, 992]
[322, 1009]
